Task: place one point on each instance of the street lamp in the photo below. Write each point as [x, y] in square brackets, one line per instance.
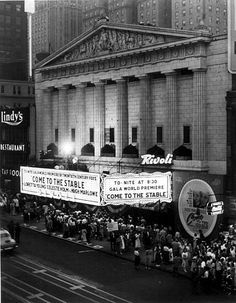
[67, 149]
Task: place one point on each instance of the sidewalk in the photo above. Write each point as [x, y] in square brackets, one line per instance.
[103, 246]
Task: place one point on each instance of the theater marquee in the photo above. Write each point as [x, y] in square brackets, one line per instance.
[137, 188]
[67, 185]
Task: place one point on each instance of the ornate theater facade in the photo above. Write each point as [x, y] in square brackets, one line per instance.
[135, 99]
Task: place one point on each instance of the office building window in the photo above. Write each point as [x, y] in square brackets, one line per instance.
[56, 135]
[18, 90]
[18, 7]
[186, 134]
[91, 135]
[8, 19]
[134, 134]
[14, 90]
[73, 134]
[112, 135]
[159, 134]
[18, 21]
[2, 89]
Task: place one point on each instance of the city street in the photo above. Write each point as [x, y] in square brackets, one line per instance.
[48, 269]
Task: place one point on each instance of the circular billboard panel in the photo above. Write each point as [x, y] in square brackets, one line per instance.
[192, 207]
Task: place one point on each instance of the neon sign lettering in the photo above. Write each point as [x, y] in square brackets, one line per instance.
[151, 159]
[12, 119]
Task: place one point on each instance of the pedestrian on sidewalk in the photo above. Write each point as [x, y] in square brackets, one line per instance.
[11, 228]
[148, 246]
[137, 242]
[176, 265]
[17, 232]
[136, 258]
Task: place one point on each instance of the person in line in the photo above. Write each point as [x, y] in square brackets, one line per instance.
[17, 232]
[148, 245]
[136, 258]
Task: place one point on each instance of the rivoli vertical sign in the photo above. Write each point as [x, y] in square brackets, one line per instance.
[232, 36]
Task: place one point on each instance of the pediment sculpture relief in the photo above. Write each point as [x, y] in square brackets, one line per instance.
[108, 41]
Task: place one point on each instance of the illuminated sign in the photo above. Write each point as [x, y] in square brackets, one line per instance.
[232, 36]
[194, 198]
[15, 116]
[12, 147]
[67, 185]
[10, 172]
[152, 160]
[137, 188]
[215, 208]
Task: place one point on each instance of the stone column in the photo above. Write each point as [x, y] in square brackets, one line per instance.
[80, 139]
[172, 112]
[99, 131]
[199, 115]
[63, 128]
[145, 122]
[39, 120]
[47, 125]
[122, 130]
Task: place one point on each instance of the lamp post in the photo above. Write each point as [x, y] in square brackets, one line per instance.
[67, 149]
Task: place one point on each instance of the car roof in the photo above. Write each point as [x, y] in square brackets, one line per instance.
[2, 230]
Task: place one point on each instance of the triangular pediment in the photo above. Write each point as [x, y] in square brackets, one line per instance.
[109, 38]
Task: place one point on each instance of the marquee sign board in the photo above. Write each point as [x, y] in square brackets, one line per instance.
[67, 185]
[137, 188]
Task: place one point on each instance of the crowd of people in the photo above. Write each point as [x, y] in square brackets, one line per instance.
[211, 264]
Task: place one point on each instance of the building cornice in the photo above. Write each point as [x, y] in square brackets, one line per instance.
[154, 54]
[132, 28]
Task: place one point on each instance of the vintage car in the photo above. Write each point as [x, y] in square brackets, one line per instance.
[7, 243]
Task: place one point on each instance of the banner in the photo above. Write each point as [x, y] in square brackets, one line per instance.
[137, 188]
[67, 185]
[112, 226]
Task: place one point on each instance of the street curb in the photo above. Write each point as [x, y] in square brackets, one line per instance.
[101, 250]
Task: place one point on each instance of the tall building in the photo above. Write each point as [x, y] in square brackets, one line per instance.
[189, 14]
[17, 130]
[154, 12]
[93, 10]
[13, 41]
[17, 110]
[124, 11]
[54, 23]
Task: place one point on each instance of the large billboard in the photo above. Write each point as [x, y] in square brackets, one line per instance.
[195, 195]
[67, 185]
[137, 188]
[232, 36]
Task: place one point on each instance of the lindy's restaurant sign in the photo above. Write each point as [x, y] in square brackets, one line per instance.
[15, 116]
[137, 188]
[12, 147]
[152, 160]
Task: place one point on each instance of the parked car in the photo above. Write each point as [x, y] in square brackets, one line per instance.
[7, 243]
